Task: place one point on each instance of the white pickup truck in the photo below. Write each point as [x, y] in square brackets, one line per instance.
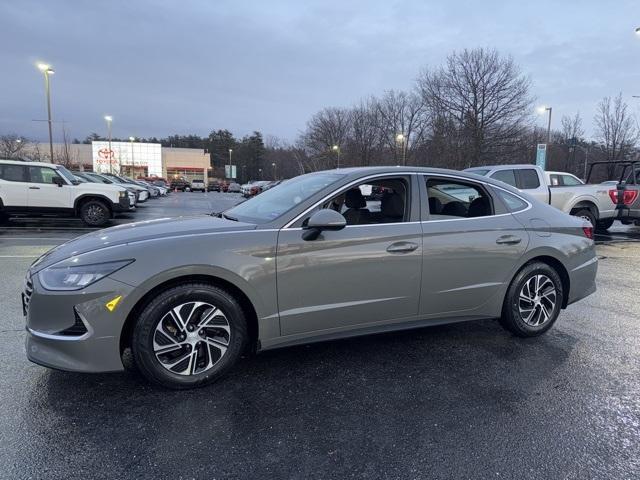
[559, 189]
[35, 188]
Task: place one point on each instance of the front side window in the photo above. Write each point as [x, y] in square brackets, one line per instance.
[528, 179]
[506, 176]
[452, 199]
[373, 202]
[277, 201]
[42, 174]
[13, 173]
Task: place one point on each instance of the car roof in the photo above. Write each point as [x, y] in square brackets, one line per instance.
[36, 164]
[502, 167]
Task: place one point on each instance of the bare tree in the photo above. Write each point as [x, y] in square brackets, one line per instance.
[615, 129]
[364, 134]
[327, 129]
[486, 98]
[13, 146]
[66, 154]
[572, 128]
[402, 123]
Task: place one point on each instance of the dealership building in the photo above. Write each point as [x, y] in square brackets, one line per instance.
[134, 159]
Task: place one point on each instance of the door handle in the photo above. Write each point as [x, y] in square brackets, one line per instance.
[402, 247]
[34, 188]
[508, 240]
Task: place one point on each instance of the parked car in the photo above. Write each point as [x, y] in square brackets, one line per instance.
[301, 263]
[197, 185]
[252, 189]
[591, 202]
[37, 188]
[213, 186]
[180, 184]
[625, 193]
[162, 191]
[233, 187]
[142, 194]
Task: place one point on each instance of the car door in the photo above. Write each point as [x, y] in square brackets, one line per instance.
[13, 185]
[43, 193]
[470, 247]
[365, 274]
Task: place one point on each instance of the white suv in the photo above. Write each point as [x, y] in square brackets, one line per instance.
[48, 189]
[197, 184]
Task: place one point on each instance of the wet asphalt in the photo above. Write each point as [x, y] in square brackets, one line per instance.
[458, 401]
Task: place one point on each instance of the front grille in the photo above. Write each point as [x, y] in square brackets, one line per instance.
[77, 329]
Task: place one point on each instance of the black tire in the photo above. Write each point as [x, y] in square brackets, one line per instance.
[145, 328]
[4, 217]
[587, 215]
[512, 319]
[604, 225]
[95, 213]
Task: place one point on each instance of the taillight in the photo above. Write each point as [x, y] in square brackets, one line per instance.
[628, 196]
[588, 232]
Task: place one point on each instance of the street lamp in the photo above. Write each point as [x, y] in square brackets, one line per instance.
[47, 71]
[541, 110]
[133, 163]
[275, 171]
[260, 173]
[400, 138]
[109, 119]
[336, 149]
[230, 168]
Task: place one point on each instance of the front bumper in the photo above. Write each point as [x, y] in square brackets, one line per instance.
[53, 337]
[125, 204]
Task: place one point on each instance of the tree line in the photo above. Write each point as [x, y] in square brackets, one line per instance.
[475, 109]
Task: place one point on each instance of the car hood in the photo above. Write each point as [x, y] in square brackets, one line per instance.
[99, 187]
[136, 232]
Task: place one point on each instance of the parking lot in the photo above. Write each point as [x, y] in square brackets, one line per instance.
[455, 401]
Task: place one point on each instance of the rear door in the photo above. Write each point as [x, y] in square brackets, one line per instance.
[368, 273]
[13, 185]
[528, 180]
[43, 193]
[471, 245]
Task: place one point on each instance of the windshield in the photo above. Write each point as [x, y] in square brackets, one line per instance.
[66, 174]
[477, 171]
[280, 199]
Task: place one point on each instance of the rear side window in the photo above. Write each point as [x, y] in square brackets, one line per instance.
[13, 173]
[450, 199]
[506, 176]
[555, 180]
[570, 180]
[528, 179]
[513, 203]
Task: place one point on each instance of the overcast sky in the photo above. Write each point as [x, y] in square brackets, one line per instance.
[165, 67]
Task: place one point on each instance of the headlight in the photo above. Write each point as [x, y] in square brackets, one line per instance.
[77, 277]
[123, 193]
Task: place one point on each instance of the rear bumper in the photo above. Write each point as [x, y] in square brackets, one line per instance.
[583, 280]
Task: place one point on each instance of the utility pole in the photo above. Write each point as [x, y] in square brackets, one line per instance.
[47, 70]
[109, 119]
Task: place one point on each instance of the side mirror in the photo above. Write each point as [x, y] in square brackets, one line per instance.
[325, 219]
[57, 180]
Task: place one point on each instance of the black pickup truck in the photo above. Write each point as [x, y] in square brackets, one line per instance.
[625, 189]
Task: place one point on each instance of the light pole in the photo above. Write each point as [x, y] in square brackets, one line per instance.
[336, 149]
[401, 138]
[230, 168]
[275, 171]
[109, 119]
[47, 70]
[133, 163]
[260, 173]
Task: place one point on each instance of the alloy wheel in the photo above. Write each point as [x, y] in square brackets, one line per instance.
[95, 213]
[537, 300]
[191, 338]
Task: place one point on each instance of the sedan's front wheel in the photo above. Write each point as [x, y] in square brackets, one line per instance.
[189, 336]
[533, 301]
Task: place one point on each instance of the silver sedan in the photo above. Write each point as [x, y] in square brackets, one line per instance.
[324, 255]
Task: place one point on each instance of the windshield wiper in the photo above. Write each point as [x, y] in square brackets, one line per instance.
[229, 217]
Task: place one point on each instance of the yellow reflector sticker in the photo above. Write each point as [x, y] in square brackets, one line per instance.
[111, 306]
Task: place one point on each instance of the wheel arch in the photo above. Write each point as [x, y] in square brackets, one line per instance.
[79, 201]
[586, 204]
[245, 302]
[558, 266]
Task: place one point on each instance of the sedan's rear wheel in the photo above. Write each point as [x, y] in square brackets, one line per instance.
[189, 336]
[533, 301]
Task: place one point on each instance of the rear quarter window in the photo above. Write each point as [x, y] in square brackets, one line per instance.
[13, 173]
[512, 202]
